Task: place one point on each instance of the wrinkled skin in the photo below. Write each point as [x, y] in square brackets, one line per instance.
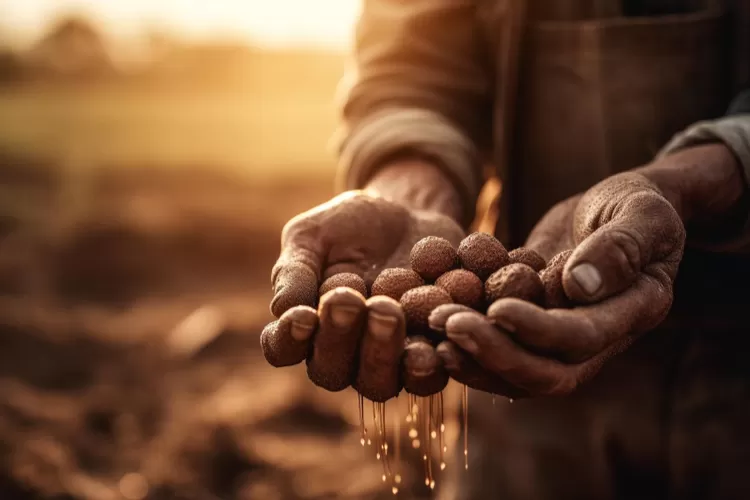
[348, 340]
[627, 241]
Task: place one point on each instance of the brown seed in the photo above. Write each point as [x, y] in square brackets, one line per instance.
[527, 256]
[348, 280]
[395, 282]
[418, 303]
[482, 254]
[463, 286]
[551, 276]
[432, 256]
[514, 280]
[422, 374]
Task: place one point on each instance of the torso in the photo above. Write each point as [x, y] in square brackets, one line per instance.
[598, 93]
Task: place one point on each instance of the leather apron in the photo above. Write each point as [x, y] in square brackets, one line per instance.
[598, 93]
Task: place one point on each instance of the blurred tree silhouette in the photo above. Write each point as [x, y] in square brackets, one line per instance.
[72, 48]
[11, 66]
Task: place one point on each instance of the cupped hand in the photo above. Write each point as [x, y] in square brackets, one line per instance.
[345, 338]
[627, 241]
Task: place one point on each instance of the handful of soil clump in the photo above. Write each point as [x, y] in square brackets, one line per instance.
[480, 272]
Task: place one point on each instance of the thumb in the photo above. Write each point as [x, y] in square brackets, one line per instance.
[297, 273]
[646, 235]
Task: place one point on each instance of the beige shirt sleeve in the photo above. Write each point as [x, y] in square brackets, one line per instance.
[418, 84]
[734, 132]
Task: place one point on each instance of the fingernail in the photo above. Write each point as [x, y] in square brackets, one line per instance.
[587, 277]
[449, 361]
[344, 316]
[381, 326]
[465, 341]
[301, 331]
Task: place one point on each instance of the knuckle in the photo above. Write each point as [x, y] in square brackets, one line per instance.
[628, 245]
[564, 386]
[291, 226]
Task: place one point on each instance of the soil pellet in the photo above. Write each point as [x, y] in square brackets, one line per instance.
[432, 257]
[395, 282]
[418, 303]
[527, 256]
[551, 276]
[464, 287]
[348, 280]
[482, 254]
[514, 280]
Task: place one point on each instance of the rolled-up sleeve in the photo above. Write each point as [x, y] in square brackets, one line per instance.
[417, 85]
[734, 131]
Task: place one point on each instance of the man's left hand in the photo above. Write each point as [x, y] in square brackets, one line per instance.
[627, 241]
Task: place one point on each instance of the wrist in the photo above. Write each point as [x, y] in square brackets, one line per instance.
[418, 185]
[704, 183]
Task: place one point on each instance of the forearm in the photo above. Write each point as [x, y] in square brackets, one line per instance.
[409, 137]
[417, 92]
[705, 171]
[704, 183]
[420, 185]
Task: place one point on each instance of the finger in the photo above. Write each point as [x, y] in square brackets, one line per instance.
[576, 335]
[379, 377]
[424, 374]
[333, 362]
[647, 229]
[286, 342]
[547, 332]
[439, 316]
[497, 353]
[295, 285]
[297, 273]
[464, 369]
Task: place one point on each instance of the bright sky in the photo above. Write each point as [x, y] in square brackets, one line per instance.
[326, 23]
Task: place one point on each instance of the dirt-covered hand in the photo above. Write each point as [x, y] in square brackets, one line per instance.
[345, 338]
[626, 241]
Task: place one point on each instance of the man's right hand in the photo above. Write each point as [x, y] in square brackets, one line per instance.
[345, 338]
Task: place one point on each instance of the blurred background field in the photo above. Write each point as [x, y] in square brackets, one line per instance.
[149, 155]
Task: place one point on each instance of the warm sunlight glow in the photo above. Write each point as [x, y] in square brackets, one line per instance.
[326, 23]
